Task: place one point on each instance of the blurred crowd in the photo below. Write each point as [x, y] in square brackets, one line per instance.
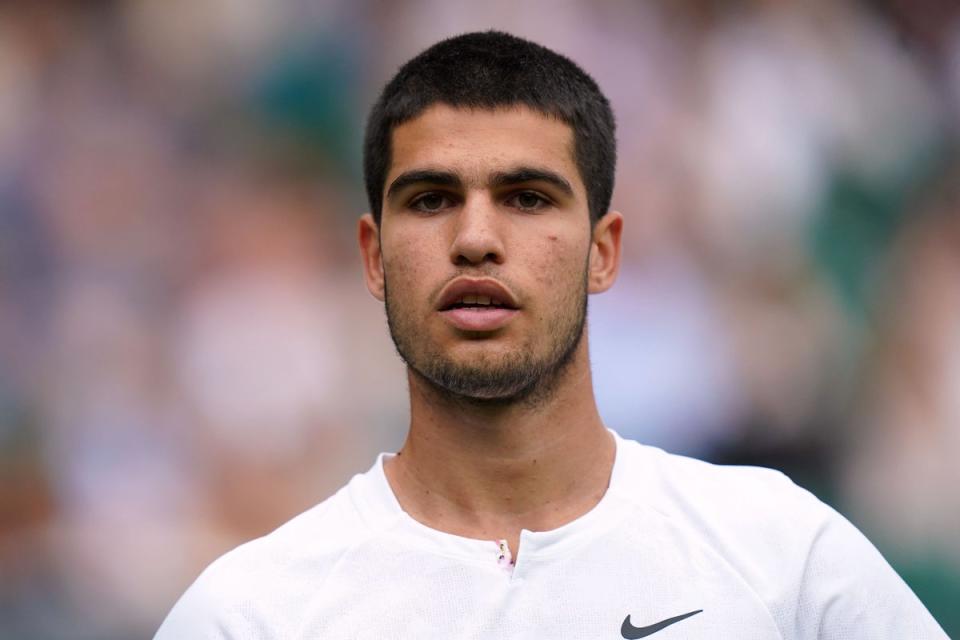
[189, 357]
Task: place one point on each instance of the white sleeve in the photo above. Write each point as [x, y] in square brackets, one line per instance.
[849, 591]
[206, 612]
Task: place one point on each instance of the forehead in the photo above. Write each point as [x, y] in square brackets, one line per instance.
[476, 142]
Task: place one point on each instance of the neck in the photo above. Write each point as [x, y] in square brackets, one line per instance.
[488, 470]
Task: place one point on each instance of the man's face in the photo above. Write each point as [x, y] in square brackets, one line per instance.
[483, 250]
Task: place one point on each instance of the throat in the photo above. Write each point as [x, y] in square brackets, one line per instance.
[495, 498]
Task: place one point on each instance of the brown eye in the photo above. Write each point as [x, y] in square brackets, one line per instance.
[430, 202]
[529, 200]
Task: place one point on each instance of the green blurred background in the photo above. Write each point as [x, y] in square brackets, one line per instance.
[188, 355]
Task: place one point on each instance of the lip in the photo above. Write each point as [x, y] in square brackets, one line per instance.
[477, 319]
[461, 287]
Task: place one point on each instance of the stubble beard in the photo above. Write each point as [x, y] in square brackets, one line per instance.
[512, 378]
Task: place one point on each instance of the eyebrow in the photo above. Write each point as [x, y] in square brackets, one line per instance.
[532, 174]
[404, 180]
[519, 175]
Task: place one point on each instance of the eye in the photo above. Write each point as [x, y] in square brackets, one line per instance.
[529, 201]
[430, 202]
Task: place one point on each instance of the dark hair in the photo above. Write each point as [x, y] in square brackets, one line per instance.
[491, 70]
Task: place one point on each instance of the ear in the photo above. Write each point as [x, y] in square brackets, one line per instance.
[605, 252]
[368, 234]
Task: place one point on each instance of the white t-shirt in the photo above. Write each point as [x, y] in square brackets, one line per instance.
[684, 548]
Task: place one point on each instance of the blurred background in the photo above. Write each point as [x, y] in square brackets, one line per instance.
[189, 357]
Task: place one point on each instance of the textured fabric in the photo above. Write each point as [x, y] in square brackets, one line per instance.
[757, 556]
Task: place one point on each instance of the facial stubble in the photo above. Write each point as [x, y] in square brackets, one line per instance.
[521, 376]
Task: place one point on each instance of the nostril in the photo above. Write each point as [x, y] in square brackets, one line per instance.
[476, 239]
[463, 259]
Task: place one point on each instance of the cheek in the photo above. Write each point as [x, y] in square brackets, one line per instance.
[401, 274]
[405, 269]
[558, 264]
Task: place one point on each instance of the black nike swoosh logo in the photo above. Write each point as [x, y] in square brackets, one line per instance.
[631, 632]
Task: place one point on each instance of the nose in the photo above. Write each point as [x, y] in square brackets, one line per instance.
[477, 233]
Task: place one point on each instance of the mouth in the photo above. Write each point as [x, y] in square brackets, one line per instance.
[477, 301]
[477, 305]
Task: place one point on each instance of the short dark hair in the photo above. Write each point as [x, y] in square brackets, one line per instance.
[493, 70]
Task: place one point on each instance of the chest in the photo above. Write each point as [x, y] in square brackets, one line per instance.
[620, 586]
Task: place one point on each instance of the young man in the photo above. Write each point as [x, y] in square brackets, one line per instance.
[511, 511]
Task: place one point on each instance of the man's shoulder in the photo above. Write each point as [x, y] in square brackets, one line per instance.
[273, 571]
[320, 533]
[790, 548]
[724, 502]
[672, 475]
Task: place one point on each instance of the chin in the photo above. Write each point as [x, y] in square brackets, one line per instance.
[503, 379]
